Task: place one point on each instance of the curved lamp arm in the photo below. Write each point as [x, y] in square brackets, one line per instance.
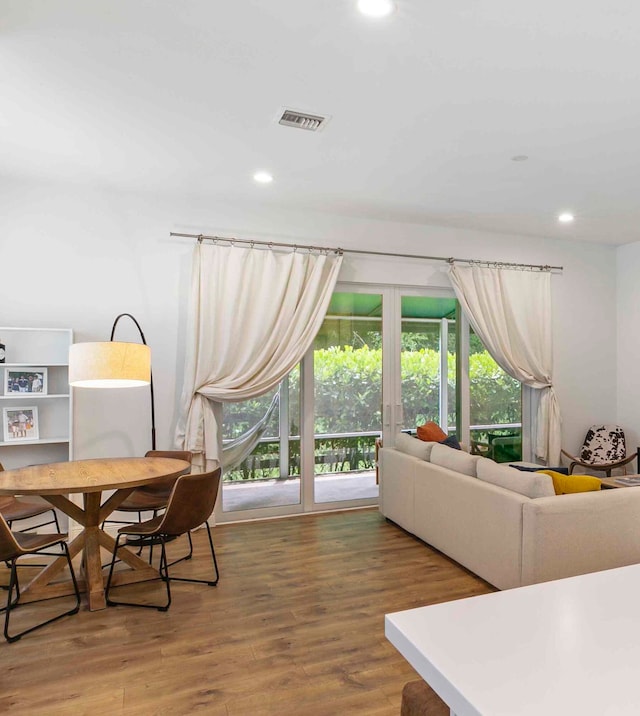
[153, 408]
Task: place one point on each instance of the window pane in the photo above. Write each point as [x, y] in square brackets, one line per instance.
[426, 325]
[270, 475]
[496, 406]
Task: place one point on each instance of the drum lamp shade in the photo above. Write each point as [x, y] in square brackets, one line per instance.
[111, 364]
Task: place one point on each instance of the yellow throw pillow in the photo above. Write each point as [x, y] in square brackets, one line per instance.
[567, 484]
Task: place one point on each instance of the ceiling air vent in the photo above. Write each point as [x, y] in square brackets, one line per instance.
[301, 120]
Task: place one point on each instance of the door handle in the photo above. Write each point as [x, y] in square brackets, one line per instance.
[386, 415]
[399, 414]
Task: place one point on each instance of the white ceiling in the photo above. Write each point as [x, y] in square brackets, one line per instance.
[427, 107]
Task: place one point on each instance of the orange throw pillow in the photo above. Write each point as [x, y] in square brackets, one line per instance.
[431, 432]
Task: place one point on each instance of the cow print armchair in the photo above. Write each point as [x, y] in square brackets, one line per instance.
[604, 449]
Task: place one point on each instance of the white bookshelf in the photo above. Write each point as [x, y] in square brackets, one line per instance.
[28, 349]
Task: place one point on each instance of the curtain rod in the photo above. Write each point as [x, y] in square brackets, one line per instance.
[450, 259]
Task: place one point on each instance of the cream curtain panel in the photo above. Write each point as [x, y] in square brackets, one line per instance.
[510, 311]
[254, 313]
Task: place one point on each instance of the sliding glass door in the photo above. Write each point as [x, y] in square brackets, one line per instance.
[347, 361]
[317, 448]
[385, 359]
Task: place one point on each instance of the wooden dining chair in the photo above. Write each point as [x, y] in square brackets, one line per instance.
[154, 497]
[190, 505]
[14, 509]
[14, 545]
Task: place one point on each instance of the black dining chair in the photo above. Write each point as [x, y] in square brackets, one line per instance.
[14, 545]
[190, 505]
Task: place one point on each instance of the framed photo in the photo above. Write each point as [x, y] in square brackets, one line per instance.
[20, 424]
[19, 380]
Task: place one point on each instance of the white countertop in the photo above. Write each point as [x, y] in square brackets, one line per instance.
[571, 646]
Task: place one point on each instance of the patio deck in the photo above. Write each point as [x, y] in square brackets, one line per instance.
[334, 487]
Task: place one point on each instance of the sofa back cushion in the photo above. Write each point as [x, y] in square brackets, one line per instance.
[529, 484]
[457, 460]
[412, 446]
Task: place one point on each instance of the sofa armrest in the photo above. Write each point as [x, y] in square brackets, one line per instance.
[397, 483]
[567, 535]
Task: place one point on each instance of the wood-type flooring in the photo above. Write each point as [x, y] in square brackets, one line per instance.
[295, 626]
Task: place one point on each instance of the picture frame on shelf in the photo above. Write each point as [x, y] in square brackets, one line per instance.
[20, 381]
[20, 424]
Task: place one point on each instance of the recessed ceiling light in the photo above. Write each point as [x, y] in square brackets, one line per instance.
[566, 217]
[519, 158]
[263, 177]
[376, 8]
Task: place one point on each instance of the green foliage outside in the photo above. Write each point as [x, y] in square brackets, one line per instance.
[348, 389]
[347, 400]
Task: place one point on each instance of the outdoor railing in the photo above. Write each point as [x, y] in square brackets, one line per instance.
[355, 451]
[334, 453]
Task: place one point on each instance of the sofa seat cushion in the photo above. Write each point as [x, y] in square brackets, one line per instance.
[456, 460]
[529, 484]
[570, 484]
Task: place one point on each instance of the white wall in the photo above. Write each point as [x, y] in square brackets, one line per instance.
[76, 257]
[628, 295]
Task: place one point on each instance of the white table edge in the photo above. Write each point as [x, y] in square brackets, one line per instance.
[582, 637]
[458, 705]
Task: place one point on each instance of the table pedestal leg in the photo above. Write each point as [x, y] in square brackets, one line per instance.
[92, 564]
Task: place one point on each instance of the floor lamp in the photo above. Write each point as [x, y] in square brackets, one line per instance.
[113, 364]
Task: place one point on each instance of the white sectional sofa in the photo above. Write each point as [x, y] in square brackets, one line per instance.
[507, 526]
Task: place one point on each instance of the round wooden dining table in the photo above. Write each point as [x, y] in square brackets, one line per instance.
[90, 478]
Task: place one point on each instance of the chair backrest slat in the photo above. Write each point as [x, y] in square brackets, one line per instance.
[9, 548]
[175, 454]
[191, 503]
